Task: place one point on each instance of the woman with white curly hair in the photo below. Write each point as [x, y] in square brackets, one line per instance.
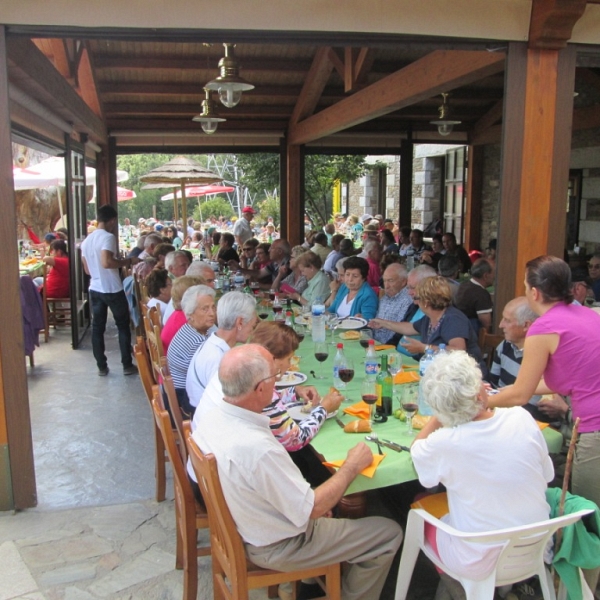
[493, 463]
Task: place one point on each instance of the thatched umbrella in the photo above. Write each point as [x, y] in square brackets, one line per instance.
[183, 171]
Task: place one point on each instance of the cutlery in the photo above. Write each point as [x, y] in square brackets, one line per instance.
[314, 374]
[387, 443]
[339, 422]
[375, 439]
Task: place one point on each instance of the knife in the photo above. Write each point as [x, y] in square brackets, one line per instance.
[394, 446]
[339, 422]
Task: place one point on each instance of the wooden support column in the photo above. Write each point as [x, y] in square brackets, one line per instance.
[406, 181]
[292, 197]
[536, 146]
[474, 188]
[17, 474]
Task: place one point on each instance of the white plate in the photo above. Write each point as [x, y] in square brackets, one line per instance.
[291, 378]
[352, 323]
[301, 321]
[295, 411]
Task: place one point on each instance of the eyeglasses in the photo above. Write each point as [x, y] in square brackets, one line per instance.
[277, 377]
[246, 249]
[593, 265]
[416, 298]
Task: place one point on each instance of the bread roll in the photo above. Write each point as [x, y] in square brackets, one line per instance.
[359, 426]
[350, 335]
[419, 421]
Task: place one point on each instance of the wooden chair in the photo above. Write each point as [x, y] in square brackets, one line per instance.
[160, 456]
[488, 342]
[57, 311]
[154, 344]
[177, 417]
[190, 515]
[233, 574]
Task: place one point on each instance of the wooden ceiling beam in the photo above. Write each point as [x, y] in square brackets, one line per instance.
[364, 64]
[87, 83]
[150, 124]
[314, 84]
[337, 62]
[357, 64]
[440, 71]
[552, 22]
[241, 110]
[489, 118]
[27, 58]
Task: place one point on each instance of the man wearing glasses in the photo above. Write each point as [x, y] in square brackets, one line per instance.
[594, 271]
[248, 253]
[276, 512]
[242, 230]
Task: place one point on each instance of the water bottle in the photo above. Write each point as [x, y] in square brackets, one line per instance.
[371, 362]
[339, 362]
[426, 360]
[441, 350]
[238, 280]
[318, 322]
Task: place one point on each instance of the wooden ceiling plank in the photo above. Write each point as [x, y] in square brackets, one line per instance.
[552, 22]
[364, 64]
[314, 84]
[338, 63]
[61, 59]
[28, 58]
[87, 83]
[349, 74]
[439, 71]
[490, 118]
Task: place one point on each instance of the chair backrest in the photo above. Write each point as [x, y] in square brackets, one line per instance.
[183, 489]
[169, 388]
[156, 318]
[154, 344]
[225, 541]
[488, 342]
[144, 368]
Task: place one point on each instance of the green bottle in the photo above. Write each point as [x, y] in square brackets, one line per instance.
[384, 385]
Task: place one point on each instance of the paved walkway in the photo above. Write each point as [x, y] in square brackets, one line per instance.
[96, 532]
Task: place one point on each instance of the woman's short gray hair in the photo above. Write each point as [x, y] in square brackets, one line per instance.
[340, 264]
[451, 386]
[189, 301]
[233, 305]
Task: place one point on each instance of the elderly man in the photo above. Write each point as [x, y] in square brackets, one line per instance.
[373, 252]
[473, 299]
[320, 247]
[242, 230]
[177, 263]
[199, 268]
[150, 242]
[416, 246]
[396, 301]
[276, 512]
[517, 317]
[279, 253]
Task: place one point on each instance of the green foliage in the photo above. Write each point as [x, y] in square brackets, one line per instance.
[269, 207]
[216, 206]
[261, 174]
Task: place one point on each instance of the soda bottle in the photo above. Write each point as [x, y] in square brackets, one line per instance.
[426, 360]
[384, 385]
[339, 362]
[371, 362]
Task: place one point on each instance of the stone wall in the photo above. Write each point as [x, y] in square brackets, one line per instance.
[428, 176]
[490, 197]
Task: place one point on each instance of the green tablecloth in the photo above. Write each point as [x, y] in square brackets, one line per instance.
[334, 444]
[33, 270]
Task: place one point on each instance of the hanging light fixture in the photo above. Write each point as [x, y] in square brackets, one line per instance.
[444, 124]
[208, 118]
[229, 84]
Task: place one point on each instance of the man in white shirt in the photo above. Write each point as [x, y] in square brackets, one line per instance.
[276, 512]
[99, 255]
[242, 230]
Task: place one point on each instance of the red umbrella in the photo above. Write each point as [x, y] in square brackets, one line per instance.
[125, 194]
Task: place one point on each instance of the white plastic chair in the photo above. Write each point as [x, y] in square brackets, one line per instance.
[521, 557]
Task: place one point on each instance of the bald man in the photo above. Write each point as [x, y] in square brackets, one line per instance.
[275, 510]
[396, 300]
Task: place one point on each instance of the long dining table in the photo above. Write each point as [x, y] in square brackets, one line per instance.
[333, 443]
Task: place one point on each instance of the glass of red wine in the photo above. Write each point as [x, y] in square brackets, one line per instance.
[368, 393]
[321, 354]
[410, 407]
[272, 294]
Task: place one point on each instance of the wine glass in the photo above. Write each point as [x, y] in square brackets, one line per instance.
[300, 331]
[321, 354]
[366, 335]
[332, 322]
[409, 406]
[346, 371]
[368, 393]
[394, 366]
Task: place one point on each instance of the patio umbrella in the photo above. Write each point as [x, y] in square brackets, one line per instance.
[30, 179]
[200, 190]
[124, 194]
[183, 171]
[54, 168]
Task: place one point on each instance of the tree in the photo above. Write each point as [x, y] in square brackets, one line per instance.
[261, 175]
[214, 207]
[269, 207]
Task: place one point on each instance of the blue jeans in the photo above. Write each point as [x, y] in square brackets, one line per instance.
[119, 308]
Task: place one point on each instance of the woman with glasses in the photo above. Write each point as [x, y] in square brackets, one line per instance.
[594, 271]
[248, 254]
[291, 277]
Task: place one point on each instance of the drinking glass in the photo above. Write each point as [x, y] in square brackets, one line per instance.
[332, 322]
[366, 335]
[409, 405]
[394, 366]
[321, 354]
[368, 393]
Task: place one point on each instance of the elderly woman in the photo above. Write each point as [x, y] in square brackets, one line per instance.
[198, 305]
[294, 281]
[493, 463]
[282, 341]
[317, 290]
[355, 297]
[562, 347]
[442, 323]
[236, 319]
[226, 252]
[175, 319]
[158, 284]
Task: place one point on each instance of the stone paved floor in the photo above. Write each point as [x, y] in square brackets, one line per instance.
[96, 532]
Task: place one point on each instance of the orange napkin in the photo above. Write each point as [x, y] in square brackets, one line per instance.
[384, 347]
[361, 410]
[406, 377]
[367, 472]
[434, 504]
[542, 425]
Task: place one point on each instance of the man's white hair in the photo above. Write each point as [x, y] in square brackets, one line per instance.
[172, 256]
[197, 268]
[233, 305]
[451, 386]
